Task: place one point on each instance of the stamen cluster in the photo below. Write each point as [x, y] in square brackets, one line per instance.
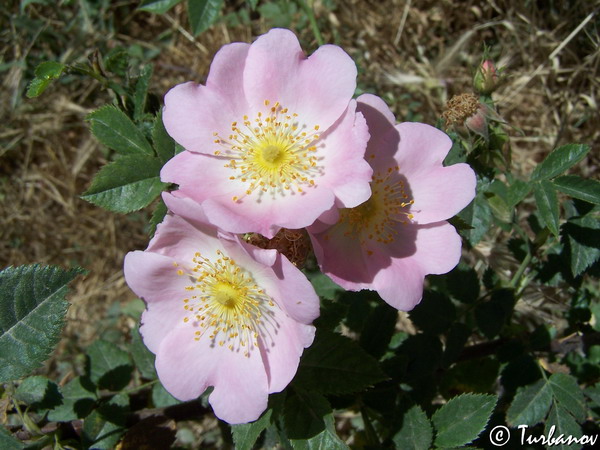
[228, 305]
[377, 218]
[272, 153]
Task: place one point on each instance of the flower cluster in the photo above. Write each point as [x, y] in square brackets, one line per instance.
[278, 150]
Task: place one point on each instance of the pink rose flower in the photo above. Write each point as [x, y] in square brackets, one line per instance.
[273, 138]
[221, 313]
[390, 242]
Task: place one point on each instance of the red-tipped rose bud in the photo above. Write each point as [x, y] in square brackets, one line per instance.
[485, 80]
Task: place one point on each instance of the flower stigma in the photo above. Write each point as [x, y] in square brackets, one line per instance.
[227, 306]
[273, 153]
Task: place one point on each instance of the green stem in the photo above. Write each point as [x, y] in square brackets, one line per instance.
[370, 432]
[521, 270]
[312, 19]
[139, 388]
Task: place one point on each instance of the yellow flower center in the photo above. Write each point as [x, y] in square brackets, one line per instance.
[227, 306]
[377, 219]
[274, 153]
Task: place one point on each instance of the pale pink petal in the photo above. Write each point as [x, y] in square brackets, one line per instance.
[345, 170]
[154, 279]
[227, 72]
[384, 136]
[438, 248]
[421, 146]
[317, 89]
[185, 207]
[203, 179]
[268, 215]
[186, 367]
[400, 284]
[377, 113]
[193, 112]
[327, 219]
[341, 258]
[201, 176]
[441, 192]
[179, 239]
[281, 351]
[295, 293]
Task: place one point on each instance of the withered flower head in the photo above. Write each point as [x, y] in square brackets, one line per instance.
[293, 244]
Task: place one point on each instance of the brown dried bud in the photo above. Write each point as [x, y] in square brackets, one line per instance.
[459, 108]
[293, 244]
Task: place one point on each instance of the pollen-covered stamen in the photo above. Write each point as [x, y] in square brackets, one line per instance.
[378, 217]
[273, 153]
[227, 305]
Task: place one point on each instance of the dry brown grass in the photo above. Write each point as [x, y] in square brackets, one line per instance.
[415, 53]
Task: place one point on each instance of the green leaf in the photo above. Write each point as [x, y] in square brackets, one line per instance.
[493, 315]
[79, 398]
[127, 184]
[582, 188]
[45, 73]
[478, 216]
[304, 414]
[49, 70]
[593, 393]
[563, 423]
[462, 419]
[559, 161]
[530, 405]
[378, 329]
[583, 242]
[434, 314]
[141, 92]
[456, 339]
[163, 143]
[143, 358]
[568, 394]
[463, 284]
[103, 428]
[114, 129]
[416, 432]
[203, 13]
[499, 207]
[8, 442]
[110, 367]
[252, 4]
[161, 398]
[32, 312]
[158, 215]
[37, 86]
[158, 6]
[117, 61]
[309, 422]
[547, 203]
[517, 191]
[335, 364]
[245, 435]
[39, 391]
[324, 286]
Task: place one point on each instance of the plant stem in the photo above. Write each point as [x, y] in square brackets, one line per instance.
[521, 270]
[370, 432]
[139, 388]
